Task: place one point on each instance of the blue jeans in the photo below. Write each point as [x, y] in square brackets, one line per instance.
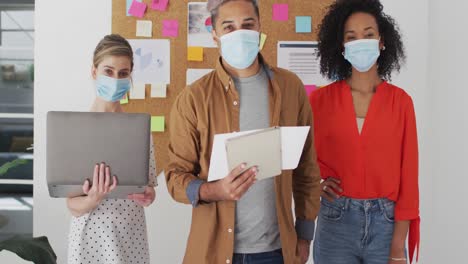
[351, 231]
[272, 257]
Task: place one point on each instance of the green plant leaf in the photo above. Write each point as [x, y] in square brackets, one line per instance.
[10, 165]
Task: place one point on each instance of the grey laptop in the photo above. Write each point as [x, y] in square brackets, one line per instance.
[76, 141]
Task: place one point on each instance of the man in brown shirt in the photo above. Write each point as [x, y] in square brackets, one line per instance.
[216, 104]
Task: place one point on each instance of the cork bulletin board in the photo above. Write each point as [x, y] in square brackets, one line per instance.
[178, 10]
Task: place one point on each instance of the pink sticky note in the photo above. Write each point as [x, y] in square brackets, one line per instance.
[137, 9]
[160, 5]
[281, 12]
[170, 28]
[310, 88]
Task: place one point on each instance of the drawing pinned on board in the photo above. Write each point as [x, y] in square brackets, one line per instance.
[199, 26]
[152, 60]
[160, 5]
[137, 9]
[170, 28]
[301, 57]
[280, 12]
[144, 28]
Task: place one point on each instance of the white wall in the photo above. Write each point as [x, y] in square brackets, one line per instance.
[64, 45]
[448, 126]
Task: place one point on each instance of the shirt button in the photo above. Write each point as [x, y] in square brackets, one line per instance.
[235, 103]
[230, 230]
[228, 261]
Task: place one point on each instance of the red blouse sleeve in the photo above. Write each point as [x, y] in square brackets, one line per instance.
[407, 205]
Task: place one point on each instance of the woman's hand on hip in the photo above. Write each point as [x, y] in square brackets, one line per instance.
[331, 189]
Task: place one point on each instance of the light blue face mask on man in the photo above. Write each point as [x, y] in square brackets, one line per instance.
[362, 54]
[111, 89]
[240, 48]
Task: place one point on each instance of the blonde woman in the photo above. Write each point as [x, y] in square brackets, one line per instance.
[110, 230]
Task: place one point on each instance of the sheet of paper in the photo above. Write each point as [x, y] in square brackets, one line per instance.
[303, 24]
[310, 88]
[137, 91]
[301, 58]
[195, 54]
[263, 38]
[137, 9]
[195, 74]
[152, 60]
[160, 5]
[159, 90]
[292, 145]
[170, 28]
[144, 28]
[199, 26]
[280, 12]
[124, 100]
[129, 4]
[157, 124]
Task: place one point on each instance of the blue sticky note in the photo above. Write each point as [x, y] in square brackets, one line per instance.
[129, 4]
[303, 24]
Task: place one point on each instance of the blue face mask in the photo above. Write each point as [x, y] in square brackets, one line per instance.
[362, 54]
[111, 89]
[240, 48]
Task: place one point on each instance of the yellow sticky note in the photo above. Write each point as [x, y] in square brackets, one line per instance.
[159, 90]
[195, 54]
[263, 38]
[157, 124]
[124, 100]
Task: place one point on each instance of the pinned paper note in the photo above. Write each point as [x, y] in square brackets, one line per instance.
[263, 38]
[159, 90]
[170, 28]
[137, 9]
[129, 4]
[144, 28]
[194, 74]
[195, 54]
[160, 5]
[124, 100]
[137, 91]
[157, 124]
[310, 88]
[303, 24]
[281, 12]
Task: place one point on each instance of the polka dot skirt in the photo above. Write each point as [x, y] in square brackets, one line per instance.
[114, 233]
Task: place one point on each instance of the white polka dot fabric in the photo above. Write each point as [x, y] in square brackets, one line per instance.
[115, 232]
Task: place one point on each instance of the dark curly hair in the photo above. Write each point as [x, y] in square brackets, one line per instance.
[331, 38]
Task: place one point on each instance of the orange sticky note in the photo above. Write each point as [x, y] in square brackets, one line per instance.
[195, 54]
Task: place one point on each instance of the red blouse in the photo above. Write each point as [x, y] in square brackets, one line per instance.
[379, 162]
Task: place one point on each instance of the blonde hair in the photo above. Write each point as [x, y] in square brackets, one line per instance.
[112, 45]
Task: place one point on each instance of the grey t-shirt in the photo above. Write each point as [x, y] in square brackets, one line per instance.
[256, 227]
